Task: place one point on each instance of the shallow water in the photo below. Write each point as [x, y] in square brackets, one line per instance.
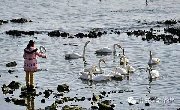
[75, 16]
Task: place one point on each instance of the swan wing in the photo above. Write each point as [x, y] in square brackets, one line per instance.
[84, 75]
[155, 60]
[131, 100]
[104, 50]
[154, 74]
[72, 56]
[122, 61]
[131, 68]
[101, 78]
[97, 71]
[120, 70]
[88, 69]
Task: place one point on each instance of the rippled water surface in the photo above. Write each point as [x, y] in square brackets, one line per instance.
[75, 16]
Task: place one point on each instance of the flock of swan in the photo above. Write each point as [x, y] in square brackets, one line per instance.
[123, 70]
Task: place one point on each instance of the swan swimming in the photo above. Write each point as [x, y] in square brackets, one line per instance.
[96, 69]
[84, 75]
[131, 101]
[131, 68]
[76, 55]
[100, 77]
[107, 50]
[97, 78]
[153, 61]
[119, 71]
[90, 75]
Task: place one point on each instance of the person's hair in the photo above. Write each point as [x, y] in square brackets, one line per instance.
[30, 44]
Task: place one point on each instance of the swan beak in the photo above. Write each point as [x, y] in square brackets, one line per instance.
[104, 62]
[87, 42]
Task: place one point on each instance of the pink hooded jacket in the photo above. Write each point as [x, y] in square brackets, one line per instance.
[30, 59]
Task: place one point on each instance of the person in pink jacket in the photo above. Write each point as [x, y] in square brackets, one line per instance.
[30, 62]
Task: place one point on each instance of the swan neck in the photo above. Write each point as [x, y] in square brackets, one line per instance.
[91, 75]
[124, 59]
[83, 55]
[99, 66]
[114, 49]
[150, 55]
[123, 52]
[150, 76]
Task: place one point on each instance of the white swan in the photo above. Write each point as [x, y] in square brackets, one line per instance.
[153, 61]
[153, 74]
[76, 55]
[85, 75]
[116, 74]
[119, 71]
[96, 69]
[89, 75]
[131, 101]
[107, 50]
[100, 77]
[131, 68]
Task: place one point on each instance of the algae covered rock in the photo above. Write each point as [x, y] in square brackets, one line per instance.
[20, 20]
[66, 107]
[63, 88]
[52, 107]
[14, 85]
[106, 105]
[11, 64]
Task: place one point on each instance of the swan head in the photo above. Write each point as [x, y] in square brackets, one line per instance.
[118, 45]
[102, 60]
[86, 43]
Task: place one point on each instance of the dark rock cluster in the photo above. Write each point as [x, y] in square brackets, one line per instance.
[20, 20]
[10, 88]
[167, 22]
[11, 64]
[150, 35]
[173, 30]
[106, 105]
[90, 34]
[19, 33]
[63, 88]
[3, 22]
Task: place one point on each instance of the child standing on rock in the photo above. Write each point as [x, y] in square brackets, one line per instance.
[30, 62]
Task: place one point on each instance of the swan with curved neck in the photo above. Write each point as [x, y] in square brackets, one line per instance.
[107, 50]
[99, 69]
[96, 69]
[153, 61]
[120, 71]
[99, 77]
[76, 55]
[90, 74]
